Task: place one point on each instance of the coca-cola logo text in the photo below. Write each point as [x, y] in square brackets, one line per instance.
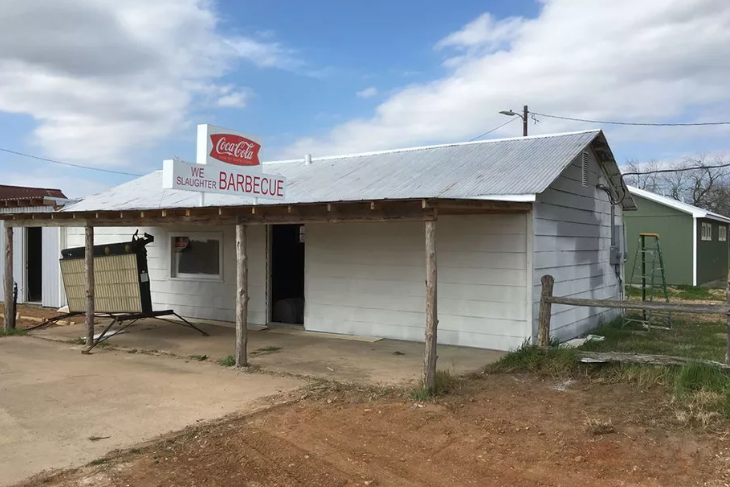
[234, 149]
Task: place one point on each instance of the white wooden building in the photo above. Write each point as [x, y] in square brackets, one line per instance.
[37, 249]
[348, 241]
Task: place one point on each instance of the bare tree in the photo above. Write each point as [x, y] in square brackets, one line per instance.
[696, 181]
[642, 175]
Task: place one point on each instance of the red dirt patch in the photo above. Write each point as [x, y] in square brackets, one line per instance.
[501, 430]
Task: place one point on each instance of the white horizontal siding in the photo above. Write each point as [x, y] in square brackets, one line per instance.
[369, 279]
[51, 292]
[572, 240]
[203, 299]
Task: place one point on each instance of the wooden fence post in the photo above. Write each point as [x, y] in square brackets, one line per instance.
[241, 297]
[9, 309]
[545, 310]
[727, 339]
[429, 362]
[89, 267]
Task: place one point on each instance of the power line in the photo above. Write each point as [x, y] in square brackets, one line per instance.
[680, 169]
[640, 124]
[495, 128]
[79, 166]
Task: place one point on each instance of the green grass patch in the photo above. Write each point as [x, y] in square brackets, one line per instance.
[687, 338]
[703, 391]
[228, 361]
[633, 292]
[530, 358]
[694, 293]
[446, 382]
[12, 332]
[685, 292]
[99, 461]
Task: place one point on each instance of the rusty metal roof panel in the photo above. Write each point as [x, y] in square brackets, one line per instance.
[510, 169]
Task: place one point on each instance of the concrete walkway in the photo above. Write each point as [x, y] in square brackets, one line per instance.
[295, 351]
[53, 400]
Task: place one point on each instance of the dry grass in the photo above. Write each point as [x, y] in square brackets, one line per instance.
[596, 426]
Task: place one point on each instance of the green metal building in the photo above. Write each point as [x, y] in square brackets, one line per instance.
[694, 241]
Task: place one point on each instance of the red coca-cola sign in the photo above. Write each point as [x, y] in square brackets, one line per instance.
[234, 149]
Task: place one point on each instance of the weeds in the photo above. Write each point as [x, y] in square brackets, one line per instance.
[12, 332]
[446, 383]
[700, 392]
[99, 461]
[200, 358]
[687, 338]
[530, 358]
[228, 361]
[644, 376]
[595, 426]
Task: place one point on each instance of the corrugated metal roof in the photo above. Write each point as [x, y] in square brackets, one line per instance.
[678, 205]
[24, 192]
[509, 169]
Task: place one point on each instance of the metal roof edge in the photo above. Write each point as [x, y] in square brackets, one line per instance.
[695, 211]
[525, 198]
[435, 146]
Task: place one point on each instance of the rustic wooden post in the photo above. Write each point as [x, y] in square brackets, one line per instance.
[545, 310]
[727, 339]
[241, 296]
[429, 363]
[89, 267]
[9, 309]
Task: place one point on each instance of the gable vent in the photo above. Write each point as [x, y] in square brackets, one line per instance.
[584, 168]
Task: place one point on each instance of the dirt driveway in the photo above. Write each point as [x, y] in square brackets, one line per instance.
[495, 431]
[59, 408]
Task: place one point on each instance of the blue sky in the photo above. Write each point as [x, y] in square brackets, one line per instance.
[327, 77]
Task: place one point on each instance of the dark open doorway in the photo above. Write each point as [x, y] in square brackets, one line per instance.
[287, 274]
[34, 264]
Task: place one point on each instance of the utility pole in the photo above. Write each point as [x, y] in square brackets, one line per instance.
[525, 114]
[524, 120]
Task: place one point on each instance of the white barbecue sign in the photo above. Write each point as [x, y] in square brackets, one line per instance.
[227, 163]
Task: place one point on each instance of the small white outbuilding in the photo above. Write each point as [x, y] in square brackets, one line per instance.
[344, 252]
[36, 249]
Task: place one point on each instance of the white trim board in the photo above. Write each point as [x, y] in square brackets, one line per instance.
[694, 251]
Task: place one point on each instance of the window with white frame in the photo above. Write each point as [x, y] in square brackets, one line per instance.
[706, 231]
[722, 234]
[196, 256]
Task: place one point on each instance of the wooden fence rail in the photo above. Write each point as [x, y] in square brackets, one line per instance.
[547, 300]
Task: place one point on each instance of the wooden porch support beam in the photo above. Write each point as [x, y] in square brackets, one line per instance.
[89, 268]
[241, 296]
[545, 311]
[9, 309]
[429, 362]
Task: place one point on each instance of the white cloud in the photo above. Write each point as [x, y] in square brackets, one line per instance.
[236, 99]
[368, 92]
[484, 31]
[605, 59]
[267, 55]
[102, 78]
